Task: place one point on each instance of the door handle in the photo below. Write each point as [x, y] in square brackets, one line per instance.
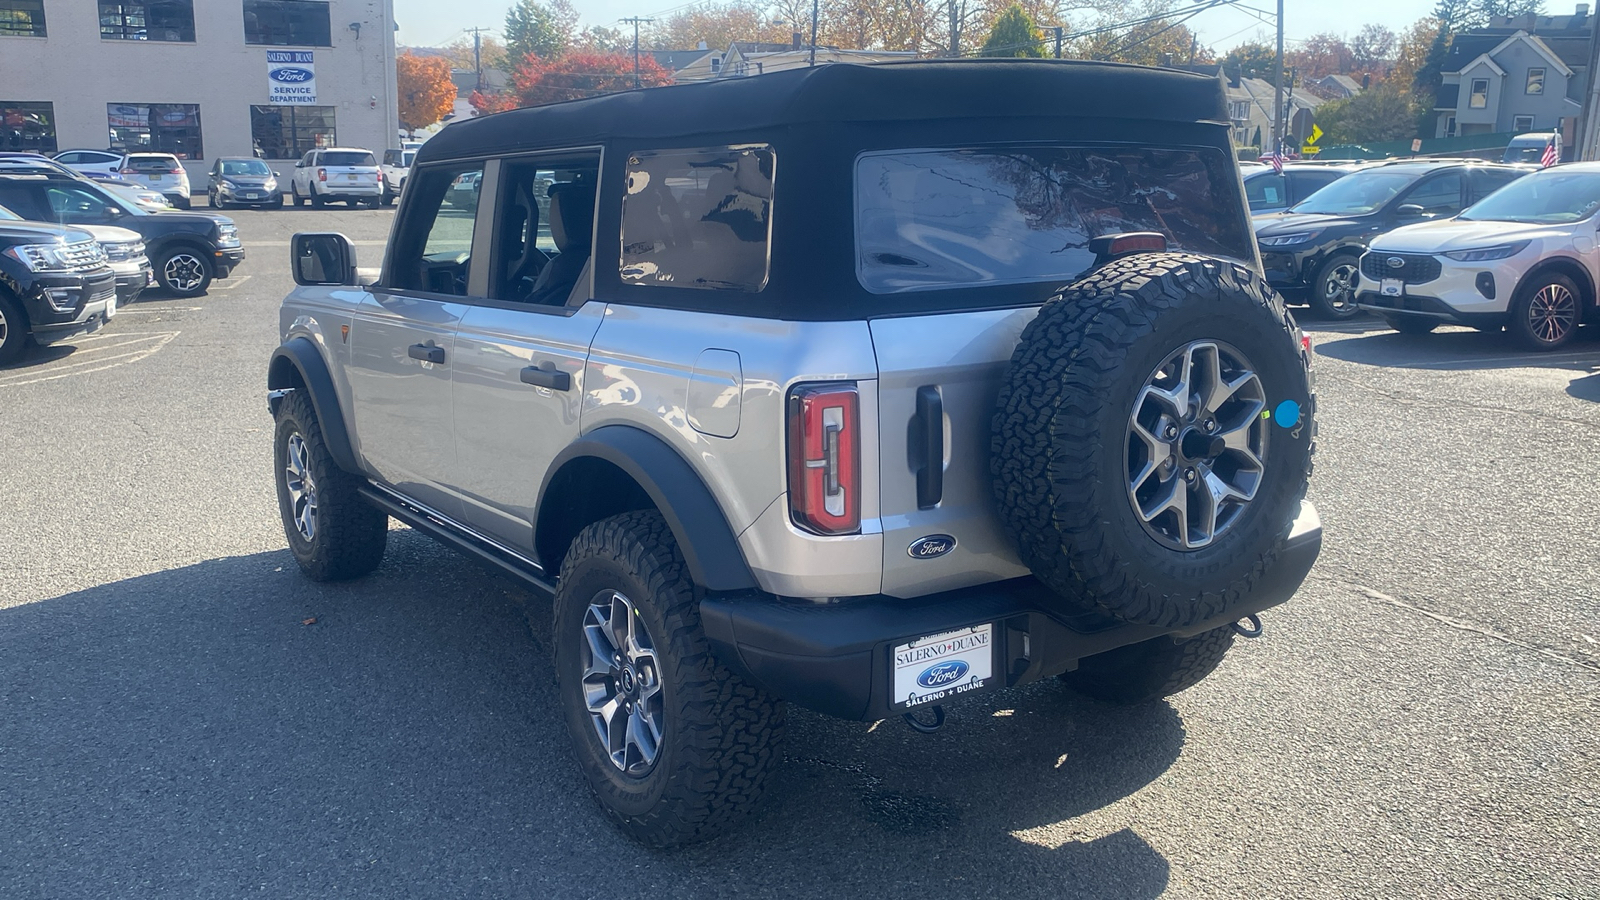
[426, 353]
[927, 446]
[547, 378]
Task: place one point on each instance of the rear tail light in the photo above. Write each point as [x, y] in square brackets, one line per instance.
[175, 171]
[825, 458]
[127, 171]
[380, 176]
[322, 174]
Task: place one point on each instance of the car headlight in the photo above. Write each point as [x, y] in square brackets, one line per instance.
[1483, 254]
[228, 236]
[271, 184]
[41, 257]
[1285, 240]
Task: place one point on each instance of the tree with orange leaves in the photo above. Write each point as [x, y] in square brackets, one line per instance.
[426, 92]
[573, 76]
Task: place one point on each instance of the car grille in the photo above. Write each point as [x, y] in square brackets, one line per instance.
[124, 251]
[1414, 268]
[84, 255]
[104, 293]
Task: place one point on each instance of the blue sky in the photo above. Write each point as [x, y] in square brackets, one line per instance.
[430, 22]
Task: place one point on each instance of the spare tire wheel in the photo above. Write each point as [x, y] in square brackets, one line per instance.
[1153, 437]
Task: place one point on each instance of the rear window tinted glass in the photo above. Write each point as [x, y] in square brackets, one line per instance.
[1265, 191]
[153, 163]
[958, 218]
[698, 218]
[347, 158]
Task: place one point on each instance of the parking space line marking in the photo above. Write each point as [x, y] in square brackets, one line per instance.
[1553, 361]
[1464, 624]
[100, 364]
[152, 312]
[286, 243]
[230, 284]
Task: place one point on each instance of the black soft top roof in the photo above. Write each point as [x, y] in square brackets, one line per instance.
[848, 92]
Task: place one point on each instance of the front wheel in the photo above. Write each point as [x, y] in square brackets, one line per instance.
[1411, 324]
[1150, 670]
[13, 329]
[1546, 313]
[675, 746]
[182, 203]
[1334, 293]
[332, 533]
[185, 271]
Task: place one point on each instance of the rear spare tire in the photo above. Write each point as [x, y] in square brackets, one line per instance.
[1153, 438]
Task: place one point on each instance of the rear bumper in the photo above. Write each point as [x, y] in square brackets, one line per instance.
[836, 658]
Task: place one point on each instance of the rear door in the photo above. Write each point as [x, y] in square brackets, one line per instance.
[964, 220]
[520, 354]
[1304, 183]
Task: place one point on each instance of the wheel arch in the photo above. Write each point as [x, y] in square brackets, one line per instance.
[617, 469]
[297, 365]
[1564, 265]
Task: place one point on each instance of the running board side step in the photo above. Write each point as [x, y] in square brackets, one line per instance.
[446, 532]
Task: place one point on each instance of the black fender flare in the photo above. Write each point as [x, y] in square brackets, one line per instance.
[707, 542]
[297, 365]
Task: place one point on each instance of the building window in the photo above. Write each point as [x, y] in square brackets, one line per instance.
[148, 20]
[290, 132]
[1535, 81]
[297, 23]
[1480, 94]
[22, 17]
[156, 127]
[1450, 127]
[1522, 123]
[27, 126]
[1239, 109]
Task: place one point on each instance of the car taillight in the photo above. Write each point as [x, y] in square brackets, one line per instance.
[322, 174]
[127, 171]
[825, 458]
[380, 176]
[175, 171]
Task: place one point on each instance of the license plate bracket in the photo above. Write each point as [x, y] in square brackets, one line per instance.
[1392, 287]
[939, 667]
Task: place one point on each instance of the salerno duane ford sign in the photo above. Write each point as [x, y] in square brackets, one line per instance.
[291, 76]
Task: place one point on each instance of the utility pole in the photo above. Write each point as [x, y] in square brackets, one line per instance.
[477, 53]
[636, 22]
[955, 30]
[1277, 90]
[813, 33]
[1058, 41]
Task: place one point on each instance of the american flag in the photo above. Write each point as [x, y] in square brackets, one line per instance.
[1549, 158]
[1274, 160]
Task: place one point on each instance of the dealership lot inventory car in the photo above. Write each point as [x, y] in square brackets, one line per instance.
[242, 181]
[54, 283]
[159, 172]
[1526, 258]
[865, 388]
[343, 173]
[1269, 190]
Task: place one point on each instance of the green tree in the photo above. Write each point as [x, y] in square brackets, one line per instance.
[1013, 34]
[1384, 113]
[543, 29]
[1252, 57]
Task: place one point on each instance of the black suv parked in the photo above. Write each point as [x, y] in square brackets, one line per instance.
[1312, 249]
[186, 249]
[54, 283]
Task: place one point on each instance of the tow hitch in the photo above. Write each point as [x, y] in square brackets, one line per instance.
[1249, 626]
[926, 727]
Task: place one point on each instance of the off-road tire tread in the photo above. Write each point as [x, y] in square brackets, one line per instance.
[721, 772]
[351, 532]
[1053, 394]
[1150, 670]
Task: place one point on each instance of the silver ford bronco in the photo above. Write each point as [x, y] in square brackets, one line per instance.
[857, 387]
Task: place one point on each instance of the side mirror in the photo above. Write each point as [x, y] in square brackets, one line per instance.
[276, 174]
[1411, 211]
[322, 258]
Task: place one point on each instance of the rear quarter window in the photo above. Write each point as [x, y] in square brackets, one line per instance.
[930, 219]
[698, 218]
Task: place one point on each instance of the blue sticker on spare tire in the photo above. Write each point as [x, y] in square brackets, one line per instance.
[942, 674]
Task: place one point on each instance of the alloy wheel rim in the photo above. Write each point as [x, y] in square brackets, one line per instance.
[301, 486]
[4, 327]
[622, 683]
[1196, 445]
[1341, 287]
[1553, 313]
[183, 272]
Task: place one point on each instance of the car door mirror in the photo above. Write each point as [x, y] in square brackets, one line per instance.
[1411, 211]
[276, 174]
[327, 258]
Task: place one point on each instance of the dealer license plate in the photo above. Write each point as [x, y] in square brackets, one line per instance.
[1392, 287]
[941, 666]
[251, 195]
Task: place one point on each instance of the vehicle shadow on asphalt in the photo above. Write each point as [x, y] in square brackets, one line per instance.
[1457, 349]
[230, 726]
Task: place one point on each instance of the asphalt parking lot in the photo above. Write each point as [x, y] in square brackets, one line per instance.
[183, 715]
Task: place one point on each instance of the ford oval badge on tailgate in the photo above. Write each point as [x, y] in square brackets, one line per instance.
[931, 546]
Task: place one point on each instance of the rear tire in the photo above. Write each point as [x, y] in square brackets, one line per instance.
[1546, 312]
[13, 329]
[690, 753]
[294, 192]
[332, 533]
[1411, 324]
[1333, 294]
[1150, 670]
[316, 198]
[183, 203]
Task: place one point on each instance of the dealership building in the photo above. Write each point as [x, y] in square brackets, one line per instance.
[198, 78]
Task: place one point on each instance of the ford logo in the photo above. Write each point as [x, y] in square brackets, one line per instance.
[941, 674]
[931, 546]
[1396, 262]
[289, 75]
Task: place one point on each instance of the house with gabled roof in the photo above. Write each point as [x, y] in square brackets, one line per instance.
[1518, 74]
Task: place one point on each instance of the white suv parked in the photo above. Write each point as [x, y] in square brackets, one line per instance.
[1523, 257]
[159, 172]
[396, 166]
[342, 173]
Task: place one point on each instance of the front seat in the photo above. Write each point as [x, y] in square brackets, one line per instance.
[571, 225]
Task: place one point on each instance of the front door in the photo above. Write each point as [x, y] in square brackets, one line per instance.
[403, 343]
[519, 356]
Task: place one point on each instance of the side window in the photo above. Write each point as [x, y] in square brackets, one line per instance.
[545, 229]
[1487, 181]
[698, 218]
[1265, 192]
[433, 250]
[72, 204]
[1438, 196]
[70, 159]
[23, 199]
[1307, 183]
